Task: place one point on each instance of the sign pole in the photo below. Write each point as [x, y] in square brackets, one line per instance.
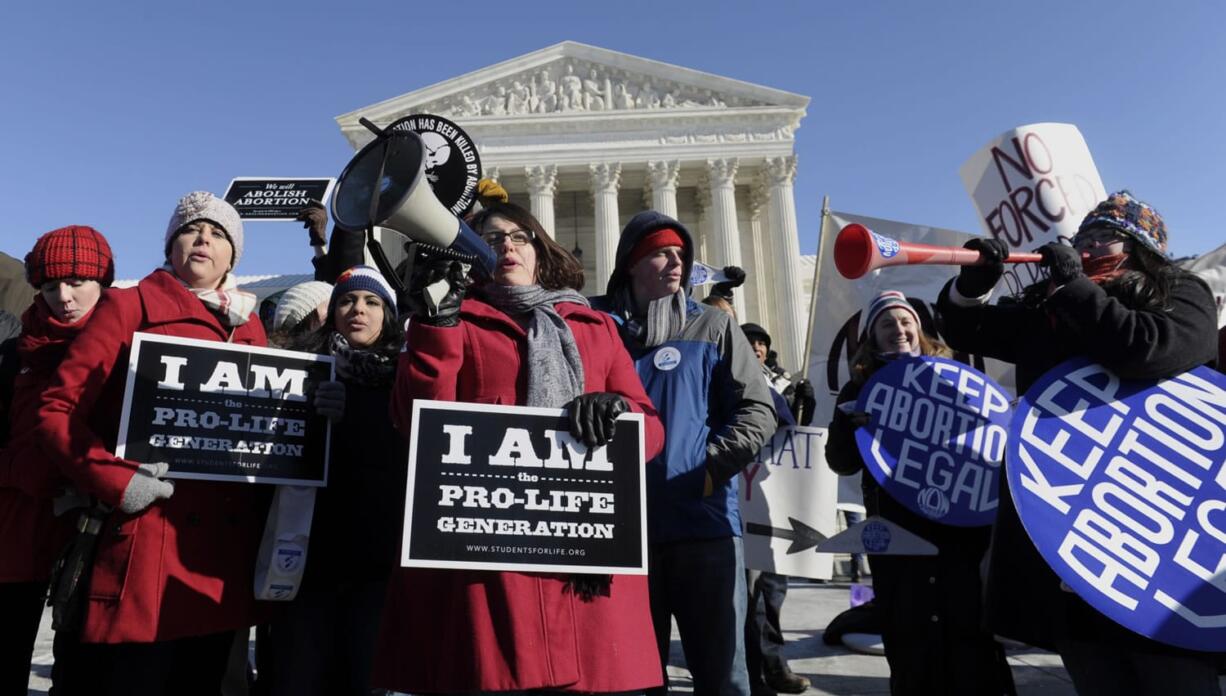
[817, 273]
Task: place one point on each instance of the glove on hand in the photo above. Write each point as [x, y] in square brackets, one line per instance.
[1063, 263]
[736, 278]
[146, 486]
[432, 274]
[593, 417]
[314, 217]
[975, 281]
[330, 400]
[803, 401]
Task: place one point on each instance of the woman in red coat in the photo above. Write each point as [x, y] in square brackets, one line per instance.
[172, 578]
[527, 338]
[70, 267]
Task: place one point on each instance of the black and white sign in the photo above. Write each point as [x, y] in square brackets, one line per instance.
[263, 198]
[225, 412]
[453, 167]
[508, 488]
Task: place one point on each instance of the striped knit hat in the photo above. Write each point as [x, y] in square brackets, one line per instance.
[1134, 218]
[363, 278]
[75, 251]
[887, 300]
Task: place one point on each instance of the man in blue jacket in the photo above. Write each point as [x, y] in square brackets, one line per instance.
[704, 380]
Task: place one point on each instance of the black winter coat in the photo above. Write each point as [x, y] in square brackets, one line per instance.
[929, 605]
[1024, 599]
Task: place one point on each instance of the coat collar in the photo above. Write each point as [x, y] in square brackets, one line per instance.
[165, 301]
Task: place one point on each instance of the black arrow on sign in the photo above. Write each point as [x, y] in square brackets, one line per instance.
[801, 535]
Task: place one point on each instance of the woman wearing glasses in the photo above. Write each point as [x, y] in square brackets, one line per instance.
[1115, 298]
[526, 338]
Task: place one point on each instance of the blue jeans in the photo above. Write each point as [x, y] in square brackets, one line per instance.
[702, 585]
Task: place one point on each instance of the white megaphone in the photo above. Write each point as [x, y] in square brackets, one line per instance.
[385, 185]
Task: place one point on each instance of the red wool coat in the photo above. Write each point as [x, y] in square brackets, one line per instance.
[183, 566]
[454, 630]
[31, 536]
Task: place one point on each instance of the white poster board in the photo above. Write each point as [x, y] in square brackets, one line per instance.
[1031, 185]
[788, 500]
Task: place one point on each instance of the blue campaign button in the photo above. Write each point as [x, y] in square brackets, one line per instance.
[1121, 485]
[936, 438]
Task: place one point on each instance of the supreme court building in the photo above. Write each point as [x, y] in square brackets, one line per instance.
[587, 137]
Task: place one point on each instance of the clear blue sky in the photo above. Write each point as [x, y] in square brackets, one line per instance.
[111, 111]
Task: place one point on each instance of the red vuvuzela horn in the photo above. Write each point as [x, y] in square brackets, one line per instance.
[858, 250]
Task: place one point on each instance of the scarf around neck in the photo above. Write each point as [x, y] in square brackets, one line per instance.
[663, 320]
[555, 370]
[44, 339]
[231, 305]
[362, 365]
[1101, 269]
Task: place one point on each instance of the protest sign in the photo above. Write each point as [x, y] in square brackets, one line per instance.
[879, 536]
[935, 440]
[225, 412]
[452, 165]
[788, 498]
[262, 198]
[1032, 185]
[508, 488]
[1121, 485]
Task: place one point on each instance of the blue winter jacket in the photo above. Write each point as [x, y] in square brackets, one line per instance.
[707, 386]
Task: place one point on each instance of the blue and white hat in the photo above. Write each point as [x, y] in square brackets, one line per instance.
[888, 299]
[364, 278]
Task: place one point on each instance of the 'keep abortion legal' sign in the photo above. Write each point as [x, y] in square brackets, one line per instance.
[225, 412]
[508, 488]
[936, 438]
[275, 199]
[1122, 487]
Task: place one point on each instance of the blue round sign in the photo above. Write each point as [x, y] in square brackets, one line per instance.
[936, 438]
[1121, 485]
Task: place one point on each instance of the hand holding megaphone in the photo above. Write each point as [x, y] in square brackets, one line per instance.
[858, 250]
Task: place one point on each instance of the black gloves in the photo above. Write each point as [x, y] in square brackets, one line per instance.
[1063, 262]
[736, 278]
[974, 281]
[593, 417]
[803, 401]
[436, 288]
[314, 217]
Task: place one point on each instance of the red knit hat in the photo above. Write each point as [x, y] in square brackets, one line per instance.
[653, 242]
[75, 251]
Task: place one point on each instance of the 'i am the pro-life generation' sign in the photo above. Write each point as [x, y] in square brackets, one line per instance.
[225, 412]
[1121, 485]
[935, 440]
[264, 198]
[508, 488]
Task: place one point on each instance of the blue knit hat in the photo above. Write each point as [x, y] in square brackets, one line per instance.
[364, 278]
[1134, 218]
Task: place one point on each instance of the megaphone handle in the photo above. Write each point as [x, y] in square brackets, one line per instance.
[381, 262]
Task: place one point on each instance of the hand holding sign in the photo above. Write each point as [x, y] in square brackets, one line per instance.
[936, 438]
[1122, 488]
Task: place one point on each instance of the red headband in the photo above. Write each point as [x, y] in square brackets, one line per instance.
[653, 242]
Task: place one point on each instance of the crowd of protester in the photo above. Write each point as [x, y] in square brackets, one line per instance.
[151, 577]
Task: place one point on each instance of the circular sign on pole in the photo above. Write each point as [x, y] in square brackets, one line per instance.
[453, 167]
[1121, 485]
[936, 438]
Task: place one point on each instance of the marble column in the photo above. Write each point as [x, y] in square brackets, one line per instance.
[758, 264]
[725, 234]
[662, 178]
[791, 319]
[542, 184]
[605, 178]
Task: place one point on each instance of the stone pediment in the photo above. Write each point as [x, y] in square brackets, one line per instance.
[571, 79]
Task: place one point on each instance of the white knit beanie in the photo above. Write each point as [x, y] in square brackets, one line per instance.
[298, 302]
[202, 205]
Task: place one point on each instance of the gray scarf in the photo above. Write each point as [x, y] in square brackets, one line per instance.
[664, 319]
[555, 371]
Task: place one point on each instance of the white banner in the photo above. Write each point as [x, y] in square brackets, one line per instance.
[836, 326]
[788, 498]
[1211, 267]
[1031, 185]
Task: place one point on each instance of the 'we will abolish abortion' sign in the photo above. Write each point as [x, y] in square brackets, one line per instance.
[936, 438]
[1121, 486]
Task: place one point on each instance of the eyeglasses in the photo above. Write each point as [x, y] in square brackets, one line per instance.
[1098, 236]
[517, 237]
